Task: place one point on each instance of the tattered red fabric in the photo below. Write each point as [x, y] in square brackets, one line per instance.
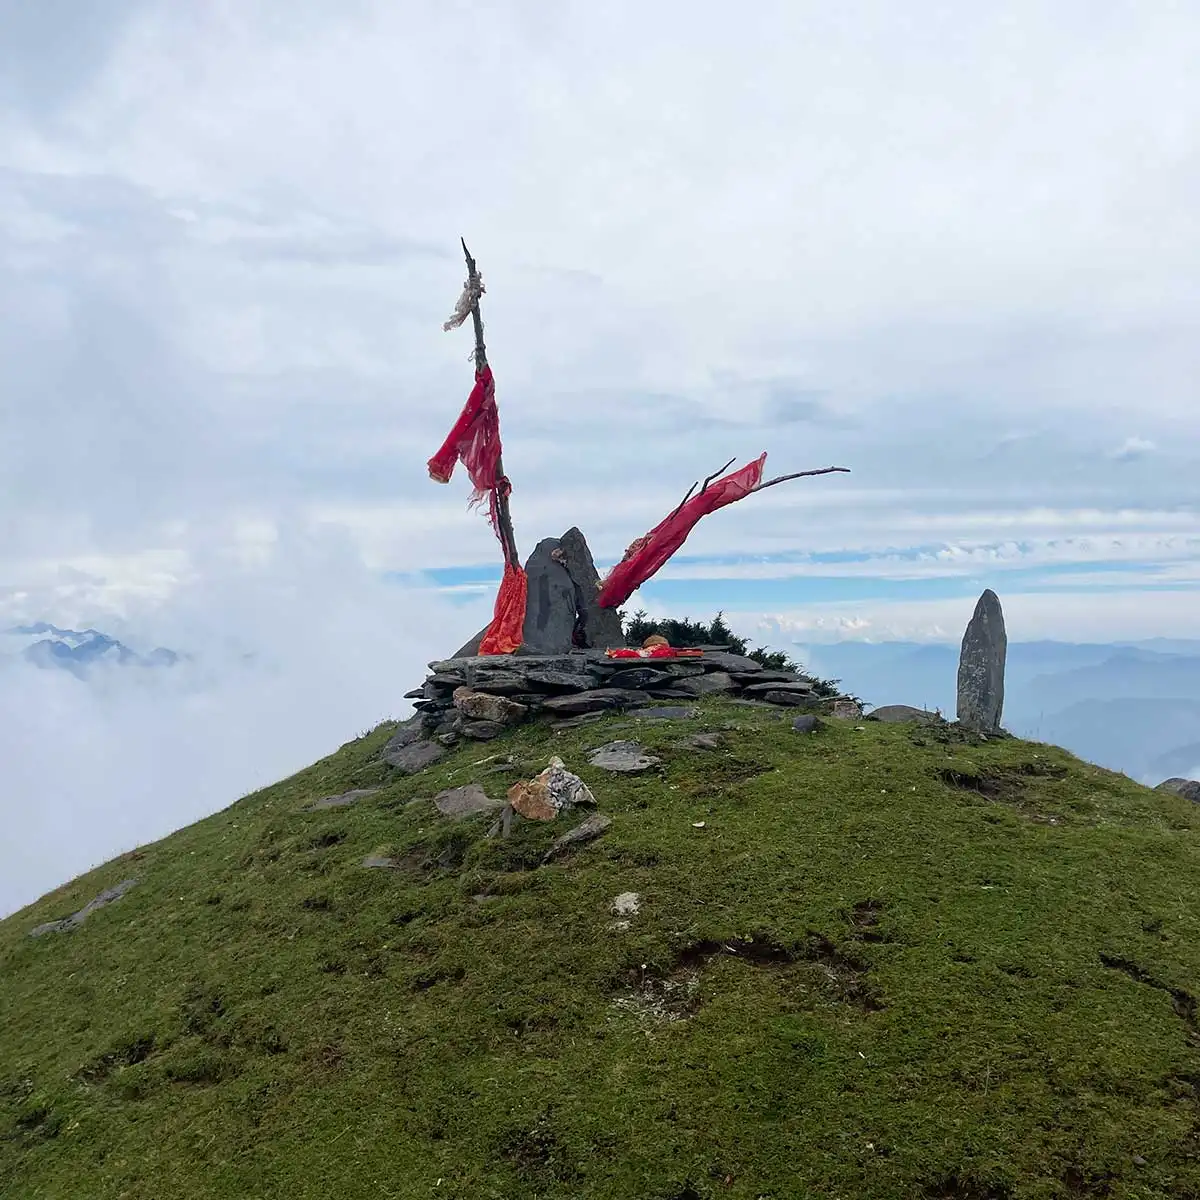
[475, 442]
[648, 554]
[504, 635]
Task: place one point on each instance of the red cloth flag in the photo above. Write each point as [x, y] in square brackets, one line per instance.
[475, 442]
[506, 632]
[648, 554]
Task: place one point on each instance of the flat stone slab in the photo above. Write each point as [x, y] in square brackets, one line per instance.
[340, 801]
[626, 757]
[482, 731]
[483, 706]
[411, 759]
[475, 669]
[553, 679]
[593, 700]
[462, 802]
[775, 685]
[706, 685]
[641, 677]
[1189, 789]
[76, 919]
[786, 699]
[498, 683]
[667, 714]
[763, 675]
[586, 831]
[898, 714]
[722, 660]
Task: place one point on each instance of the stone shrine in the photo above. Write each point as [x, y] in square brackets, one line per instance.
[981, 667]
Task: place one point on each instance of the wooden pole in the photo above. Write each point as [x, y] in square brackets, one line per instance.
[508, 537]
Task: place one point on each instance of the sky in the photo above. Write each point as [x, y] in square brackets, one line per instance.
[955, 251]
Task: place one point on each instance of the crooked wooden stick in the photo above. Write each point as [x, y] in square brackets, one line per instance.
[718, 471]
[798, 475]
[702, 486]
[508, 538]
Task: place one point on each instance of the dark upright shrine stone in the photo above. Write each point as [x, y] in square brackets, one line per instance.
[561, 612]
[600, 627]
[471, 648]
[550, 603]
[981, 667]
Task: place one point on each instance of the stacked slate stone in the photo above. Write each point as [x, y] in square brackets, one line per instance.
[562, 674]
[479, 697]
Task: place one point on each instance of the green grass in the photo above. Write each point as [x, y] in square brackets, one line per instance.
[887, 966]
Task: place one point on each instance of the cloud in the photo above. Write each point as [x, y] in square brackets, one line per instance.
[1133, 447]
[93, 768]
[863, 238]
[1117, 615]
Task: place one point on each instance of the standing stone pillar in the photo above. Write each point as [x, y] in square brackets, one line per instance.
[981, 667]
[561, 613]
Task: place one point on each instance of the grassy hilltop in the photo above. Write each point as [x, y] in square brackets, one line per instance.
[892, 962]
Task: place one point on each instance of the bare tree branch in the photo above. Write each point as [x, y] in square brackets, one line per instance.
[718, 471]
[685, 499]
[508, 538]
[798, 475]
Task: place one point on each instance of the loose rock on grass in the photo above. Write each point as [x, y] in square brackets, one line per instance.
[628, 758]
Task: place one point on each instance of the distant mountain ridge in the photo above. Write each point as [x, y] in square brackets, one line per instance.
[1129, 706]
[79, 651]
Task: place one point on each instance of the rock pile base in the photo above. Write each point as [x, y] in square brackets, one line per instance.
[477, 698]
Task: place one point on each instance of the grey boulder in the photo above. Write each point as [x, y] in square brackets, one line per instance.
[625, 757]
[786, 699]
[898, 714]
[705, 685]
[462, 802]
[76, 919]
[641, 677]
[1189, 789]
[586, 831]
[340, 801]
[416, 757]
[593, 700]
[723, 660]
[775, 685]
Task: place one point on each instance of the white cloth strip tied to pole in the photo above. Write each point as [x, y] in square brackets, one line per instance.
[471, 292]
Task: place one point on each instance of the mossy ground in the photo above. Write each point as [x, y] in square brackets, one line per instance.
[886, 966]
